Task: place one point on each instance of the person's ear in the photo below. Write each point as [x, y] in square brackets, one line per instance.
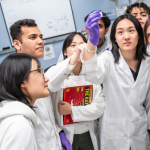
[86, 30]
[17, 45]
[106, 30]
[65, 52]
[23, 85]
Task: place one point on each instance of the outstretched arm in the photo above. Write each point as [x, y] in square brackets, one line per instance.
[94, 34]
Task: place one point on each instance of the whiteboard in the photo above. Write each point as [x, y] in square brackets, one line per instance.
[53, 17]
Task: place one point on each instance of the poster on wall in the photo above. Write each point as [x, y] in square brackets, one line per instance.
[49, 52]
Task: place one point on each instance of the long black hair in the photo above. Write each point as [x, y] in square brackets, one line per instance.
[140, 49]
[14, 69]
[69, 40]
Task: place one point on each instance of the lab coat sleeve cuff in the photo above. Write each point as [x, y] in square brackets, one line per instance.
[70, 67]
[88, 64]
[74, 113]
[89, 61]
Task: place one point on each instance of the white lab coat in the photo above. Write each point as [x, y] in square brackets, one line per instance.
[47, 131]
[17, 122]
[124, 123]
[148, 48]
[81, 113]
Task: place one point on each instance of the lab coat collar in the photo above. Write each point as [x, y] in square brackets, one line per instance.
[124, 66]
[144, 65]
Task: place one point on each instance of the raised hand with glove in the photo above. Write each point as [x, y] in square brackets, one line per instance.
[94, 34]
[93, 27]
[64, 141]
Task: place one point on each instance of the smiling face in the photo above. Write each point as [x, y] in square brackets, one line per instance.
[126, 35]
[77, 40]
[36, 85]
[140, 14]
[32, 42]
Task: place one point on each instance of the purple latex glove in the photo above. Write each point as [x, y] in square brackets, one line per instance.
[93, 27]
[64, 141]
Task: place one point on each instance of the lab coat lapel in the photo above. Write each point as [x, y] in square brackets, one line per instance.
[143, 67]
[124, 67]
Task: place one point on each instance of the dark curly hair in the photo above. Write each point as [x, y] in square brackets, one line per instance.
[105, 19]
[138, 5]
[15, 29]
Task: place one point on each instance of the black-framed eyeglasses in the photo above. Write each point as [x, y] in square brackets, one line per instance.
[39, 70]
